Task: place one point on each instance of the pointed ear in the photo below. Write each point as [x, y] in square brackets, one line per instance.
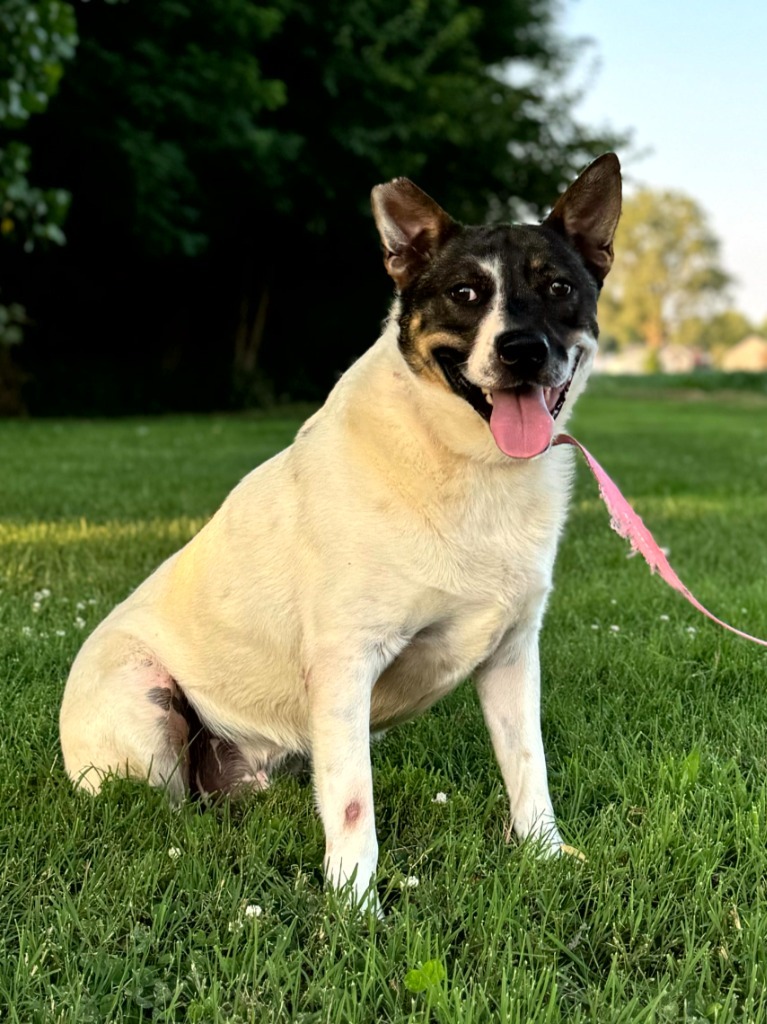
[587, 213]
[412, 228]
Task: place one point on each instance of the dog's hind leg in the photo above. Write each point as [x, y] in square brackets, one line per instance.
[123, 714]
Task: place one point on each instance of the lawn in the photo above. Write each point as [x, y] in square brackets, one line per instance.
[655, 723]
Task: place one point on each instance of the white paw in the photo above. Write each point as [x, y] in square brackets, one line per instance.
[356, 888]
[360, 901]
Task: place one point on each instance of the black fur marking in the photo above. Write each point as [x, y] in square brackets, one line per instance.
[216, 766]
[449, 361]
[166, 698]
[161, 696]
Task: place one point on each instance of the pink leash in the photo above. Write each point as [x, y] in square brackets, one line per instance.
[625, 521]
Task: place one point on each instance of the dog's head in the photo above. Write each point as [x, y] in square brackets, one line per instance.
[503, 316]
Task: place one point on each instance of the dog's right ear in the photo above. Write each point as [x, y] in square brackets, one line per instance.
[412, 228]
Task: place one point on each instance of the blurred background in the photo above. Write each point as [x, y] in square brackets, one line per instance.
[184, 213]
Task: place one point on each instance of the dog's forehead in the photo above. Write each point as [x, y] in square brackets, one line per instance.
[513, 249]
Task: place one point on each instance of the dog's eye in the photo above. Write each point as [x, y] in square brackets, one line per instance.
[560, 288]
[464, 294]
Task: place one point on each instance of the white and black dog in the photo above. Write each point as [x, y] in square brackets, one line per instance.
[404, 542]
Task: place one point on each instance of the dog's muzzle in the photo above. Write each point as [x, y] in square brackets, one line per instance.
[521, 417]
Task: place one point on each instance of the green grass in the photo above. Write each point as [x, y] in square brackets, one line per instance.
[656, 737]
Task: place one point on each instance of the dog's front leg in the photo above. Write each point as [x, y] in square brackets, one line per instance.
[509, 687]
[339, 690]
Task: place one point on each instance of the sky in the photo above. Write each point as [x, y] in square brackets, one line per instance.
[690, 79]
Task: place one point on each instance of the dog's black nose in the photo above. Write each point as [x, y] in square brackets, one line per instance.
[525, 351]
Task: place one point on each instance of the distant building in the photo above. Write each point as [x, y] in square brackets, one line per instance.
[678, 359]
[631, 361]
[749, 355]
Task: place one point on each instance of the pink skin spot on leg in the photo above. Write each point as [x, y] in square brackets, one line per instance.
[352, 813]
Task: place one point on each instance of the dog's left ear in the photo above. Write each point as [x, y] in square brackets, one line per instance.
[412, 228]
[587, 213]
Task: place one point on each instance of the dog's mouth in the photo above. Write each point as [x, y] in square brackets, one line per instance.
[522, 418]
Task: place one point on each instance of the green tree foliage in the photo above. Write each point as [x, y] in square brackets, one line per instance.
[667, 272]
[36, 39]
[427, 89]
[302, 106]
[221, 153]
[719, 332]
[168, 98]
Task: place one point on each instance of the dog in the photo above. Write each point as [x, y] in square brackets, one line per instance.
[403, 543]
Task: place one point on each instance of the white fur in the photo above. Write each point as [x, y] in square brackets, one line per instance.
[351, 581]
[483, 358]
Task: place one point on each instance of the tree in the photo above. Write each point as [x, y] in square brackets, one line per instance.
[221, 152]
[719, 332]
[666, 269]
[35, 41]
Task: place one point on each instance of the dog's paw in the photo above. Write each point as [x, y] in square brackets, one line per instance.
[348, 898]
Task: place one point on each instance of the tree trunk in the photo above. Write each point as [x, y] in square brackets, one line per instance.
[655, 335]
[248, 384]
[11, 381]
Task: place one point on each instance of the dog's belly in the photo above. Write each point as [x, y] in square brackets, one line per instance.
[437, 659]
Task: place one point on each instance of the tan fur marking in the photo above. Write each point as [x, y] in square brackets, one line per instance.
[424, 343]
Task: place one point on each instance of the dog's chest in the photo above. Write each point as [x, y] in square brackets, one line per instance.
[465, 631]
[491, 551]
[482, 581]
[437, 658]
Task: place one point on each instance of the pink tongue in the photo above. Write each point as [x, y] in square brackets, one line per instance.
[520, 423]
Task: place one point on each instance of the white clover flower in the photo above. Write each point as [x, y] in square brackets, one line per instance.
[80, 622]
[615, 629]
[26, 630]
[61, 632]
[440, 798]
[35, 607]
[595, 625]
[411, 882]
[253, 910]
[692, 630]
[174, 853]
[80, 606]
[664, 618]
